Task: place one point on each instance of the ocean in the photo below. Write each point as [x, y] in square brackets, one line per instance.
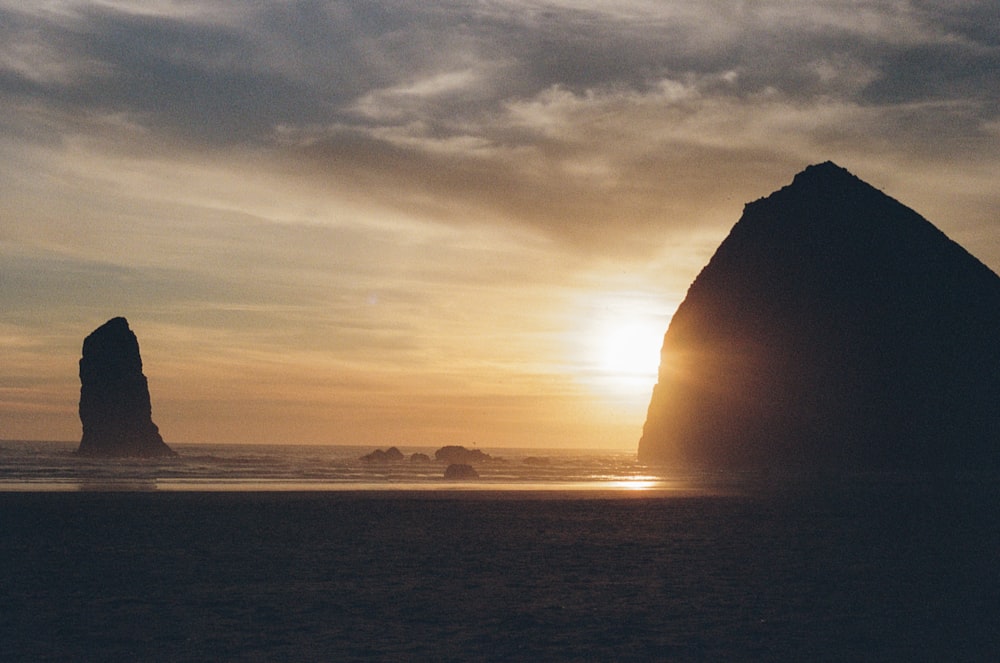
[307, 554]
[53, 466]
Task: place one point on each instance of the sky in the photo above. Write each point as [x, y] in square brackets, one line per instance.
[427, 223]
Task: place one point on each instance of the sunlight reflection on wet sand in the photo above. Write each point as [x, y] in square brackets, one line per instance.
[625, 487]
[621, 487]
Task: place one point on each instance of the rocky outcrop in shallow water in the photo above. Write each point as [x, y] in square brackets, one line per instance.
[460, 454]
[390, 455]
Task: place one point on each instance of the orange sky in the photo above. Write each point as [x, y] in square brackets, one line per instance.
[453, 223]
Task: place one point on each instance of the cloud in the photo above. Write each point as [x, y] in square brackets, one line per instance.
[591, 123]
[222, 75]
[339, 52]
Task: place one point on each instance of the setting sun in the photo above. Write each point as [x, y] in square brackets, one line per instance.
[620, 346]
[630, 349]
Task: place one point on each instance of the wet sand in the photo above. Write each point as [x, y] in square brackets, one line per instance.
[190, 576]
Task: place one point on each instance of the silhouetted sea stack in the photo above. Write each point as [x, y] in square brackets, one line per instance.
[114, 397]
[835, 330]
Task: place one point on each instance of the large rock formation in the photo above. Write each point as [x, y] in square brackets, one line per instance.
[834, 329]
[114, 398]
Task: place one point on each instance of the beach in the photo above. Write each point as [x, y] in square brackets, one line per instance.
[873, 573]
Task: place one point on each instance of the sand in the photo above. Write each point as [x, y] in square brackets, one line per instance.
[869, 575]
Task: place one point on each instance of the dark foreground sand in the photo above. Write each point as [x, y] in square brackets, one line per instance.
[862, 575]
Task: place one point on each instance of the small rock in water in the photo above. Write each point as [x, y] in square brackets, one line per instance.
[459, 454]
[390, 455]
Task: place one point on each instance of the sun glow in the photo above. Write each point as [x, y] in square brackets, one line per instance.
[621, 345]
[629, 349]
